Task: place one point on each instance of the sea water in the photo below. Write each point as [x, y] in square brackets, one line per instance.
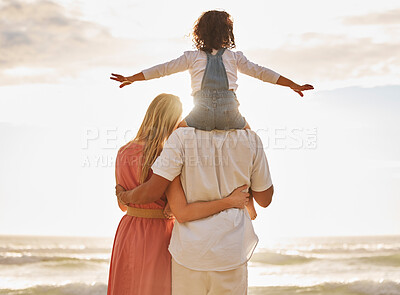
[318, 265]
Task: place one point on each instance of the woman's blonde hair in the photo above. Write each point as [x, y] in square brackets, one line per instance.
[160, 120]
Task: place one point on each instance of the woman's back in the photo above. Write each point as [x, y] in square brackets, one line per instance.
[140, 262]
[128, 170]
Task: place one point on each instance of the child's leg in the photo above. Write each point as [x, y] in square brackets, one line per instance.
[183, 124]
[251, 209]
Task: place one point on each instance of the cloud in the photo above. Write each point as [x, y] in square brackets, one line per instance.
[333, 57]
[44, 35]
[390, 17]
[41, 41]
[359, 53]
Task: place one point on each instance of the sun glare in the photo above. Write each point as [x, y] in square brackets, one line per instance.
[28, 72]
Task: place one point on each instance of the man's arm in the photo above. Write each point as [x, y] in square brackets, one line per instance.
[166, 167]
[261, 183]
[148, 192]
[121, 205]
[185, 212]
[263, 198]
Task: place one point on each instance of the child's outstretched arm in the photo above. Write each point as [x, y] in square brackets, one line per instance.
[174, 66]
[127, 80]
[264, 74]
[295, 87]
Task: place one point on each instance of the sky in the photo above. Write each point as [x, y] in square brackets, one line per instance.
[334, 155]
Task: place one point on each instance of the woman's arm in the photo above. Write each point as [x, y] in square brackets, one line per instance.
[188, 212]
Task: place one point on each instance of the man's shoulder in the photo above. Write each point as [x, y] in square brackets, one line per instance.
[182, 132]
[247, 135]
[239, 136]
[193, 132]
[181, 135]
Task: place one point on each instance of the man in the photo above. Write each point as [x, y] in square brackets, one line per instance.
[209, 255]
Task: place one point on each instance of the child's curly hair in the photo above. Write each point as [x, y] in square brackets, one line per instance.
[213, 30]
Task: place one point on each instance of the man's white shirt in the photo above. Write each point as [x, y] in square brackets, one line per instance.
[211, 165]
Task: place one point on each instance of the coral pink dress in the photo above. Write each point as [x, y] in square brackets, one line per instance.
[140, 261]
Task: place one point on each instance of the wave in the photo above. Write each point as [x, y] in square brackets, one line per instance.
[352, 250]
[285, 259]
[84, 250]
[69, 289]
[28, 259]
[386, 260]
[358, 287]
[279, 259]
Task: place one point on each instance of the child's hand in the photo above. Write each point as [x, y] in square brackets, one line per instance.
[124, 80]
[300, 88]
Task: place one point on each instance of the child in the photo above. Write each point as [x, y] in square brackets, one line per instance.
[213, 68]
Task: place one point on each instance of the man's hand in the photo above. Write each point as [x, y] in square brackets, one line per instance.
[300, 88]
[120, 193]
[238, 198]
[167, 212]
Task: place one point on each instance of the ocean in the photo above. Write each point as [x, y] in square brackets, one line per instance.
[317, 265]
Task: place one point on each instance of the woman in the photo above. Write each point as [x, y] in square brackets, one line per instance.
[140, 261]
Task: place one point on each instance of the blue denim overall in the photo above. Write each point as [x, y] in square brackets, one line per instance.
[215, 106]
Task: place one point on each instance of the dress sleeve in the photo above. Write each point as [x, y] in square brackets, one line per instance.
[170, 162]
[254, 70]
[179, 64]
[260, 176]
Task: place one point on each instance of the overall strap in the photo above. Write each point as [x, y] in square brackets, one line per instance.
[220, 51]
[215, 77]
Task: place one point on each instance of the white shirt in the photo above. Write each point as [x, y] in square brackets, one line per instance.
[195, 61]
[212, 164]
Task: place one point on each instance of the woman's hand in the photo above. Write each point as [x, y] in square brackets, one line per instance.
[238, 198]
[124, 80]
[300, 88]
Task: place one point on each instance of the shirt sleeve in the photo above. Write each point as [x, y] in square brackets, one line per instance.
[260, 176]
[179, 64]
[169, 163]
[254, 70]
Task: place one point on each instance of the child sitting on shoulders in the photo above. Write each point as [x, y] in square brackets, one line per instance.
[213, 69]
